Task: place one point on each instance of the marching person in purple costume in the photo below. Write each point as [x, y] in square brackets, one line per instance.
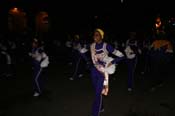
[103, 65]
[131, 51]
[40, 61]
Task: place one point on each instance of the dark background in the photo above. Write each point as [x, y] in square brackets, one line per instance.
[79, 15]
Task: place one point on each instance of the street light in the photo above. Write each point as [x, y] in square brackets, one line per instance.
[15, 10]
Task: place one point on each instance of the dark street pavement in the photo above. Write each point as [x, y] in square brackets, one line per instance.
[74, 98]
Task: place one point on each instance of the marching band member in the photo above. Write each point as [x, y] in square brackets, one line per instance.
[161, 55]
[77, 59]
[8, 65]
[103, 65]
[40, 60]
[131, 52]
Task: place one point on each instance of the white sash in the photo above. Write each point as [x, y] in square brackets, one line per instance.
[106, 59]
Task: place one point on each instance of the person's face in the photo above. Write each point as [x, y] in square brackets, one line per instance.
[34, 45]
[97, 37]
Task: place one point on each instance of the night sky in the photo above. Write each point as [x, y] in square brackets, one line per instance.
[112, 15]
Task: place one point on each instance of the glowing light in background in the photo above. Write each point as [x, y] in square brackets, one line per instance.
[42, 22]
[158, 22]
[17, 20]
[15, 10]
